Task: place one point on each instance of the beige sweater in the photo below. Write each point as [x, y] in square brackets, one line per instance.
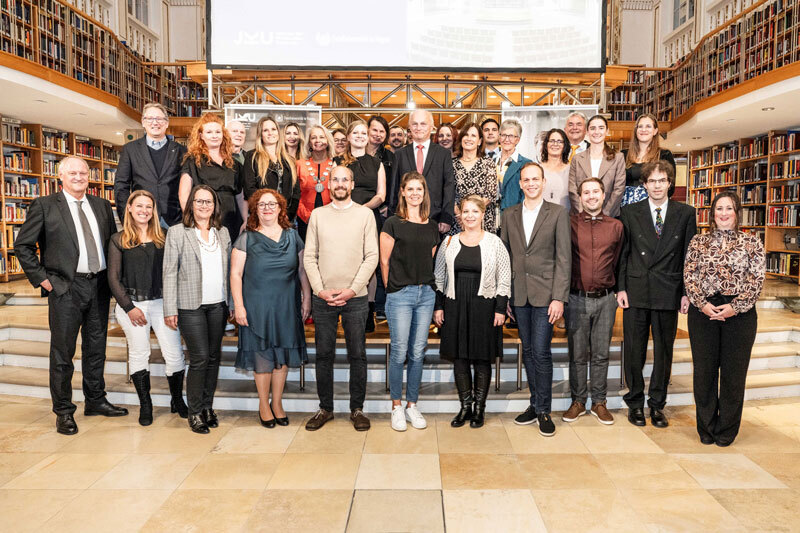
[341, 248]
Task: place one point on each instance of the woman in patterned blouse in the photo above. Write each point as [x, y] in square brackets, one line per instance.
[474, 175]
[723, 276]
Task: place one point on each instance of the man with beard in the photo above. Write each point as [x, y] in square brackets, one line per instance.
[397, 138]
[340, 257]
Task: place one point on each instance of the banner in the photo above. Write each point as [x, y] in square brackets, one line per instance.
[249, 115]
[538, 120]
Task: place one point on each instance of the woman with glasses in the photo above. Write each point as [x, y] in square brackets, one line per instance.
[293, 141]
[339, 141]
[313, 174]
[599, 161]
[643, 148]
[554, 159]
[509, 164]
[269, 165]
[195, 297]
[209, 161]
[474, 175]
[271, 299]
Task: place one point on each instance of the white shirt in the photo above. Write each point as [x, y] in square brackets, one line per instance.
[83, 257]
[596, 167]
[653, 211]
[348, 206]
[211, 264]
[494, 154]
[529, 217]
[425, 146]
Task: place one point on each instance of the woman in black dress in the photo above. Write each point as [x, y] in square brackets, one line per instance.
[643, 148]
[473, 284]
[269, 166]
[369, 190]
[209, 161]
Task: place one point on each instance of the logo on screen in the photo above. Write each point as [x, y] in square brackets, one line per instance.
[250, 39]
[324, 39]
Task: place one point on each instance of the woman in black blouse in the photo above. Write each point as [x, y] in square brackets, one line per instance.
[643, 148]
[135, 256]
[269, 166]
[209, 161]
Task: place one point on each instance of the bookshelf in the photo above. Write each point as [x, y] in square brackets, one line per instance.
[192, 97]
[29, 169]
[625, 102]
[765, 171]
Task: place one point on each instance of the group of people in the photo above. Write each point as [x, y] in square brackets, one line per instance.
[464, 232]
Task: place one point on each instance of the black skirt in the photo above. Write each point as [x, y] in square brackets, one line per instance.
[468, 331]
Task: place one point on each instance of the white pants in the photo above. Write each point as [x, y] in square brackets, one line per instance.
[139, 338]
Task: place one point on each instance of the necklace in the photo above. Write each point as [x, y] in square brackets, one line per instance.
[319, 180]
[212, 245]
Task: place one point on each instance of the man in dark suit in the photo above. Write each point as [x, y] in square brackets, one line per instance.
[432, 161]
[72, 230]
[650, 288]
[152, 163]
[537, 235]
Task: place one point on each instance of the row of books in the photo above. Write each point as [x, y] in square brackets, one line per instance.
[757, 172]
[55, 141]
[784, 142]
[785, 193]
[15, 212]
[19, 9]
[787, 169]
[110, 175]
[26, 188]
[700, 198]
[783, 216]
[10, 236]
[87, 149]
[755, 194]
[702, 159]
[784, 264]
[726, 176]
[752, 216]
[17, 160]
[753, 148]
[50, 167]
[110, 154]
[18, 134]
[13, 265]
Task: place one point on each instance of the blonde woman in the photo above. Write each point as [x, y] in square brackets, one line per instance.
[270, 166]
[313, 174]
[135, 258]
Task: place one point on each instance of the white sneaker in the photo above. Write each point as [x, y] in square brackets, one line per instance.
[415, 417]
[398, 418]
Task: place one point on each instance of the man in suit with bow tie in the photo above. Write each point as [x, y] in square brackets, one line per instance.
[650, 284]
[152, 163]
[536, 234]
[432, 161]
[72, 230]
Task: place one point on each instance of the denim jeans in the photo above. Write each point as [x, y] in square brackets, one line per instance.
[408, 312]
[326, 320]
[535, 332]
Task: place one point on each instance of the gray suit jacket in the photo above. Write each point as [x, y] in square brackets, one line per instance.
[183, 271]
[540, 268]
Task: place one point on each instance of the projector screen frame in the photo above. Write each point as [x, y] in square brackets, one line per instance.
[320, 68]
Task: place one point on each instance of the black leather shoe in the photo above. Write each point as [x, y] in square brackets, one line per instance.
[283, 421]
[707, 440]
[266, 423]
[65, 424]
[104, 408]
[636, 416]
[210, 418]
[723, 443]
[198, 424]
[658, 418]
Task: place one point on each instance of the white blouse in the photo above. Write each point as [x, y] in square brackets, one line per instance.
[495, 267]
[213, 284]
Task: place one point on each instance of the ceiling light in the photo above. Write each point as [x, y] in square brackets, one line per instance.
[731, 120]
[696, 138]
[118, 132]
[767, 109]
[81, 114]
[411, 105]
[679, 144]
[41, 101]
[451, 116]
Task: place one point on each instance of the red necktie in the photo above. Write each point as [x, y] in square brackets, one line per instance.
[420, 158]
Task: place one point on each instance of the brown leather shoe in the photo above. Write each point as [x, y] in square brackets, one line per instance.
[359, 420]
[318, 420]
[601, 413]
[577, 409]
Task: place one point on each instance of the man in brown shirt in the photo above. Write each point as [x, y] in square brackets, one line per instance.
[596, 245]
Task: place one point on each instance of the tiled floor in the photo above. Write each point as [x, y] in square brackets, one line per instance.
[117, 476]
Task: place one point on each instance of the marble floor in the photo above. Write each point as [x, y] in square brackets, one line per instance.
[117, 476]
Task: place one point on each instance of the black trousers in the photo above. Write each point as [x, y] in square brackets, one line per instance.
[83, 308]
[721, 356]
[202, 329]
[637, 323]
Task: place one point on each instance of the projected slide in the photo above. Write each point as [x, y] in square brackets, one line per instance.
[500, 35]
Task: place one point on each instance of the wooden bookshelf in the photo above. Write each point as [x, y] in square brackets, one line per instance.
[29, 169]
[765, 171]
[625, 102]
[192, 98]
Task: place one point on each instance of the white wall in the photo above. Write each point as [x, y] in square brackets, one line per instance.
[186, 30]
[637, 37]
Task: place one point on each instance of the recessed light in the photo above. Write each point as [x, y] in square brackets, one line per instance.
[696, 138]
[118, 132]
[81, 114]
[411, 105]
[41, 101]
[767, 109]
[731, 120]
[679, 144]
[451, 115]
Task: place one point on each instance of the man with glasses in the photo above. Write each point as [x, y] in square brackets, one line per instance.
[491, 138]
[340, 257]
[650, 288]
[152, 163]
[576, 133]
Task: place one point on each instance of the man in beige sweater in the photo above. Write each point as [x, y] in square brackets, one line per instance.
[340, 257]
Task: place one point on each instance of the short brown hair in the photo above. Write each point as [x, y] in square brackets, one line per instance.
[737, 206]
[402, 208]
[592, 180]
[155, 105]
[252, 209]
[188, 211]
[531, 164]
[658, 166]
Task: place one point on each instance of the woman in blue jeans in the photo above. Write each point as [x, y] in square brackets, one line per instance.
[407, 244]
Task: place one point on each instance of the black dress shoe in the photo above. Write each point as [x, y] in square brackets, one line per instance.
[723, 443]
[636, 416]
[210, 418]
[267, 423]
[283, 421]
[658, 418]
[65, 424]
[706, 440]
[198, 424]
[104, 408]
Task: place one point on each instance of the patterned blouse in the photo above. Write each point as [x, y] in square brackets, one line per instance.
[726, 262]
[481, 179]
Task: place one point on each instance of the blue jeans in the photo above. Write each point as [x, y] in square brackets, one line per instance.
[408, 312]
[535, 332]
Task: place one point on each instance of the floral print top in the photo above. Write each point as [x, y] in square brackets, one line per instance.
[481, 179]
[726, 262]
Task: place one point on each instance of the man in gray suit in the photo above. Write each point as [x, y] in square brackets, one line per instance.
[537, 235]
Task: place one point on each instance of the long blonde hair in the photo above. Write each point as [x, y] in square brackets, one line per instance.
[328, 137]
[653, 151]
[261, 158]
[130, 233]
[348, 157]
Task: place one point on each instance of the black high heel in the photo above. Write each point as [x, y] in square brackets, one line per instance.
[284, 421]
[266, 423]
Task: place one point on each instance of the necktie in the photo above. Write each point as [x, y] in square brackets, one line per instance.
[572, 151]
[420, 159]
[659, 222]
[88, 238]
[589, 218]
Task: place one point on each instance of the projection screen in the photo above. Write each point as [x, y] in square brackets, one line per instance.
[451, 35]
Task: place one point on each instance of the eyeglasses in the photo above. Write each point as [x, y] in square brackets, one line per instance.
[555, 141]
[204, 203]
[658, 182]
[266, 205]
[508, 136]
[155, 120]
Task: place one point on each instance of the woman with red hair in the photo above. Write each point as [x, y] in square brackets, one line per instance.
[271, 300]
[209, 161]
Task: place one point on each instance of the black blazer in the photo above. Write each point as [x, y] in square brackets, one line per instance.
[136, 171]
[252, 182]
[651, 269]
[49, 223]
[438, 172]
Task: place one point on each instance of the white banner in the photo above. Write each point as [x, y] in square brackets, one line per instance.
[250, 114]
[538, 120]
